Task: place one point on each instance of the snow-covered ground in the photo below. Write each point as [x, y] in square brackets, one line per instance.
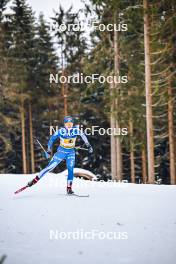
[43, 225]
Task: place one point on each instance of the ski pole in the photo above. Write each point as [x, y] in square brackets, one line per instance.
[46, 153]
[40, 145]
[81, 148]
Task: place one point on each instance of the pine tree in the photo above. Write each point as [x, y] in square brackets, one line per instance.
[23, 52]
[50, 102]
[6, 68]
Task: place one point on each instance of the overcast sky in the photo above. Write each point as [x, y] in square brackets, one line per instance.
[47, 6]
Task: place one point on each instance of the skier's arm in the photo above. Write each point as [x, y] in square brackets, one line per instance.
[84, 138]
[52, 139]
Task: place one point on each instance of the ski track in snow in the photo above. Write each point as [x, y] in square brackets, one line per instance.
[146, 212]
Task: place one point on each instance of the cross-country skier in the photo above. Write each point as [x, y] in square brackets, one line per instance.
[65, 151]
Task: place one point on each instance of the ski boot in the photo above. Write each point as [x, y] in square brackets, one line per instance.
[69, 188]
[34, 181]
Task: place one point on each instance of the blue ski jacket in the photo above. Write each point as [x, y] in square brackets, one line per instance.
[67, 137]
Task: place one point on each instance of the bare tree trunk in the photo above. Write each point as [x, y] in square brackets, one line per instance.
[23, 135]
[50, 121]
[144, 166]
[171, 135]
[150, 140]
[133, 180]
[119, 156]
[116, 140]
[65, 93]
[66, 99]
[113, 140]
[31, 139]
[27, 152]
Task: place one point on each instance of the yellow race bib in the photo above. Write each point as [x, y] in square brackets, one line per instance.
[67, 142]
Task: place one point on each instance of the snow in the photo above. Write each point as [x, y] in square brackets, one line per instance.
[83, 171]
[143, 216]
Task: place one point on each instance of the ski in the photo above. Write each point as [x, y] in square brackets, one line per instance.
[78, 195]
[21, 189]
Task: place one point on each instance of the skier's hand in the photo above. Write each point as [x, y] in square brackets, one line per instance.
[90, 149]
[48, 154]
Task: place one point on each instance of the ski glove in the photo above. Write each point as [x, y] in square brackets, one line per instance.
[90, 149]
[48, 154]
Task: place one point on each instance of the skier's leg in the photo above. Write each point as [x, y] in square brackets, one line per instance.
[49, 168]
[70, 161]
[57, 158]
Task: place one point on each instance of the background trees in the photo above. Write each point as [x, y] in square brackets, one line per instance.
[145, 53]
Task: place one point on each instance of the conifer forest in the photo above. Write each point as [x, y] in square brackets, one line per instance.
[87, 131]
[129, 47]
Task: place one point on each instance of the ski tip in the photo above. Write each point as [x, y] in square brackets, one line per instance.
[20, 190]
